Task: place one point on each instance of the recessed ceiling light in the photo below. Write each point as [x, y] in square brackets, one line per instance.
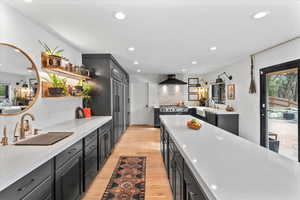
[27, 1]
[214, 187]
[194, 62]
[135, 62]
[261, 14]
[183, 70]
[138, 70]
[213, 48]
[120, 15]
[131, 49]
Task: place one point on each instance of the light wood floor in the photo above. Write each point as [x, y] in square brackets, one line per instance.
[137, 141]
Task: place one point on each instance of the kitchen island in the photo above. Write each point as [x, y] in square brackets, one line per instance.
[228, 167]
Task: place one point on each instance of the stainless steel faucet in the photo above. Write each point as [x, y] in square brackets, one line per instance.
[22, 128]
[212, 103]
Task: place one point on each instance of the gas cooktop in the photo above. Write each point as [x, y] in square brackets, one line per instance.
[172, 108]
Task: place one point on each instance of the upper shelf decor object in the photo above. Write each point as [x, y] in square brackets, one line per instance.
[54, 62]
[19, 81]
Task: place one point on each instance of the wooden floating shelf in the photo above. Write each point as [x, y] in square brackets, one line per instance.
[50, 97]
[59, 71]
[45, 92]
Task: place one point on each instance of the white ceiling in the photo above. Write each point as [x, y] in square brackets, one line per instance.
[168, 34]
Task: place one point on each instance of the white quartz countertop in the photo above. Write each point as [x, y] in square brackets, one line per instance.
[18, 161]
[229, 167]
[213, 110]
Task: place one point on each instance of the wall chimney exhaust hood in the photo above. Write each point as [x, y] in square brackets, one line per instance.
[171, 80]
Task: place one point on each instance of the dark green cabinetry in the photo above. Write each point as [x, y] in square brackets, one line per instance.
[182, 181]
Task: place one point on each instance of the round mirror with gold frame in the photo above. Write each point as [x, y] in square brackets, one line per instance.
[19, 81]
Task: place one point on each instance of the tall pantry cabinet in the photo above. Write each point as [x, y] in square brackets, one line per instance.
[110, 96]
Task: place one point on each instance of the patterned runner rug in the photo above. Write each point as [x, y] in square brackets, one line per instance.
[128, 179]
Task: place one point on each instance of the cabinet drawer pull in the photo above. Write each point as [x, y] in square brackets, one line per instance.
[26, 185]
[72, 150]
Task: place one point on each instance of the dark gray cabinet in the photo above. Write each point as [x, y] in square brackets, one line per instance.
[102, 154]
[228, 122]
[211, 118]
[193, 190]
[162, 140]
[179, 175]
[42, 192]
[156, 118]
[172, 167]
[90, 167]
[106, 143]
[111, 94]
[118, 109]
[127, 106]
[37, 185]
[68, 174]
[176, 176]
[166, 150]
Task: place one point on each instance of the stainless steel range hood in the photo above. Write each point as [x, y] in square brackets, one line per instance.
[172, 80]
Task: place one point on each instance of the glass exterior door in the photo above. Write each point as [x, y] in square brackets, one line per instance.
[279, 110]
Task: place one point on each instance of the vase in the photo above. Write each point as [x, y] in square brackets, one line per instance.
[87, 112]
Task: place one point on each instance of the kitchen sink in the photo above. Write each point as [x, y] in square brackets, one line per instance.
[45, 139]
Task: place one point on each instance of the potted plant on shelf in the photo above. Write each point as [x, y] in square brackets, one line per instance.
[86, 94]
[58, 86]
[53, 57]
[51, 52]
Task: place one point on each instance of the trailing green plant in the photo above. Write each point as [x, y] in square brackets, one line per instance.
[52, 52]
[81, 82]
[86, 94]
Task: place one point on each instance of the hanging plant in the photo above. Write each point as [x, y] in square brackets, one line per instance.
[252, 89]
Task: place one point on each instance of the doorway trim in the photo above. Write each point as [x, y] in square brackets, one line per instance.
[263, 97]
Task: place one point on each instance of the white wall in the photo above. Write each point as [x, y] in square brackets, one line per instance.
[143, 91]
[154, 95]
[22, 32]
[248, 104]
[172, 94]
